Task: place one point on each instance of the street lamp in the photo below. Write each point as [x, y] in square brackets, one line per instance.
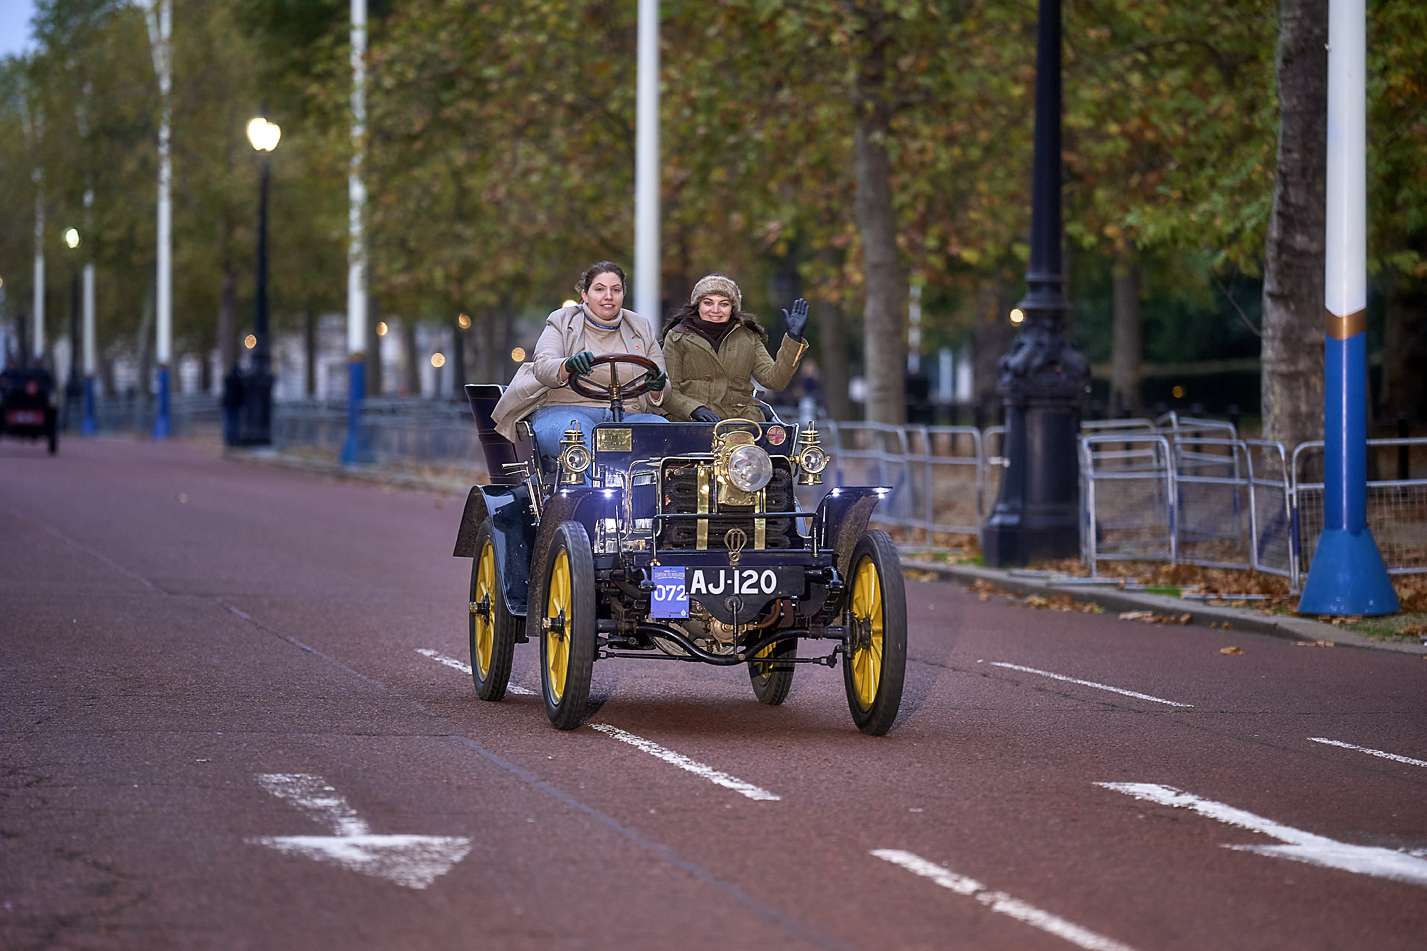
[258, 391]
[73, 389]
[1043, 378]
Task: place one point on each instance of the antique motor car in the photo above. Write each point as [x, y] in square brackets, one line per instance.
[677, 541]
[27, 406]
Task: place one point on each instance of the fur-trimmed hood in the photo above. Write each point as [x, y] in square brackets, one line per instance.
[685, 321]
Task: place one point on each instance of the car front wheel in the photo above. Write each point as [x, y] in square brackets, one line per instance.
[876, 645]
[567, 637]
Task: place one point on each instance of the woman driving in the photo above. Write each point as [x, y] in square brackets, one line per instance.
[573, 340]
[714, 352]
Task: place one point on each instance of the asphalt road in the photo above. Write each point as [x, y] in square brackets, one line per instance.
[233, 716]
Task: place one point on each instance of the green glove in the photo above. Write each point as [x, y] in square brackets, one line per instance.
[580, 364]
[656, 380]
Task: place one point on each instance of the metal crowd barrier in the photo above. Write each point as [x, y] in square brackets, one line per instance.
[1396, 508]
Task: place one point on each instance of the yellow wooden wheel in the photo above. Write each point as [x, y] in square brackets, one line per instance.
[559, 615]
[772, 681]
[493, 629]
[875, 642]
[567, 638]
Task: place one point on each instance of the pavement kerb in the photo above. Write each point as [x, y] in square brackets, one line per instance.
[1117, 599]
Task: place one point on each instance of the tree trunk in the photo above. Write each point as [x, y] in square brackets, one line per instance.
[410, 359]
[1292, 387]
[375, 378]
[309, 347]
[1404, 390]
[1127, 347]
[227, 320]
[831, 333]
[145, 345]
[990, 341]
[885, 318]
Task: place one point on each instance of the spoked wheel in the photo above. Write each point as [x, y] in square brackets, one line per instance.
[876, 634]
[567, 641]
[493, 628]
[771, 681]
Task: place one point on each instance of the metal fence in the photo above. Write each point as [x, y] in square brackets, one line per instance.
[1396, 507]
[189, 415]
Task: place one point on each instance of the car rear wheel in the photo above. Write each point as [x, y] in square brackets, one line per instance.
[567, 637]
[876, 645]
[54, 440]
[771, 682]
[493, 629]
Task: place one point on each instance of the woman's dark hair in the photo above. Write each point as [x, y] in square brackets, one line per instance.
[688, 313]
[595, 270]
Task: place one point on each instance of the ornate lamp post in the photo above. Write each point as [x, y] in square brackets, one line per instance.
[1042, 378]
[258, 391]
[73, 389]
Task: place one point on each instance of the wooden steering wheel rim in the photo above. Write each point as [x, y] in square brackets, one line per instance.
[594, 391]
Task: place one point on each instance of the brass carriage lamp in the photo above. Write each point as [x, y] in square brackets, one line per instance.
[812, 458]
[575, 456]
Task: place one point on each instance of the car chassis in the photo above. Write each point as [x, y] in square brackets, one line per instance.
[682, 542]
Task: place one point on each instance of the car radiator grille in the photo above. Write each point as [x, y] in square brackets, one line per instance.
[680, 486]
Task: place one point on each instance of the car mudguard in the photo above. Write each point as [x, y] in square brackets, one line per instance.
[512, 531]
[842, 518]
[583, 504]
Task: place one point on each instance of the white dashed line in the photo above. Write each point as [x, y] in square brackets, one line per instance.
[649, 746]
[684, 763]
[1299, 846]
[1000, 902]
[1091, 683]
[465, 668]
[1371, 752]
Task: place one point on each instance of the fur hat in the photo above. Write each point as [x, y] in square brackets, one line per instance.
[717, 284]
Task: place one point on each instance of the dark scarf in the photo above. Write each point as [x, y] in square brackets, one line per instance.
[710, 331]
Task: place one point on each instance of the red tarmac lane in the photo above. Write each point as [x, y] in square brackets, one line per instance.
[174, 627]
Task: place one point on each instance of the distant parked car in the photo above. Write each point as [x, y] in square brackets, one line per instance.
[28, 407]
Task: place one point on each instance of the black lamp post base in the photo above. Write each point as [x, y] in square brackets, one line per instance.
[1015, 539]
[1037, 514]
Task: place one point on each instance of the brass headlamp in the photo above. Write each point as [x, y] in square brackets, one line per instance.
[811, 457]
[575, 456]
[741, 468]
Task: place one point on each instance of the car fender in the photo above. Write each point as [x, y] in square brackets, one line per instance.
[842, 518]
[582, 504]
[512, 532]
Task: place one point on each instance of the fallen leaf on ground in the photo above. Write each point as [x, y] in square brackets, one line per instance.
[1314, 644]
[1231, 650]
[1137, 615]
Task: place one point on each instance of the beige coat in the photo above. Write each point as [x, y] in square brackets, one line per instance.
[541, 382]
[722, 381]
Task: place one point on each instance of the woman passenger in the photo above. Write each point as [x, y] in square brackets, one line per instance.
[714, 351]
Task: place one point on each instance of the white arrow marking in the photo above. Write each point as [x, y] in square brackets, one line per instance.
[411, 860]
[1000, 901]
[1090, 683]
[1371, 752]
[465, 668]
[1301, 846]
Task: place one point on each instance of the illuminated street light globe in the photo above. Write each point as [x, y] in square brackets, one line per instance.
[71, 237]
[263, 135]
[438, 359]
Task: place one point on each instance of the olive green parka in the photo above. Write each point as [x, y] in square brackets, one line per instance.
[722, 380]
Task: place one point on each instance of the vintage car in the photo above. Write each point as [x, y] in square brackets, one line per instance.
[677, 541]
[27, 406]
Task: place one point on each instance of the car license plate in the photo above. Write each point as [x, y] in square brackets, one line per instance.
[744, 582]
[25, 417]
[671, 596]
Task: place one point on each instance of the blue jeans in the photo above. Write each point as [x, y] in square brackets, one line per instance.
[550, 423]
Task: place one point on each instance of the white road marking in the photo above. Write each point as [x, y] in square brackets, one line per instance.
[1091, 683]
[1001, 902]
[1371, 752]
[1301, 846]
[684, 763]
[414, 861]
[465, 668]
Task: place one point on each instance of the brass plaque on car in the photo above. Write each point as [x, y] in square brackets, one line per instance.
[617, 439]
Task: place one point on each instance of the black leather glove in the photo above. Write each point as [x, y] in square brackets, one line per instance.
[797, 319]
[704, 415]
[656, 380]
[580, 364]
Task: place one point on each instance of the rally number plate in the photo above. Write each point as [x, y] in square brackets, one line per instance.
[25, 417]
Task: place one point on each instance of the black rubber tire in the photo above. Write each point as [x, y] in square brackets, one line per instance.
[771, 686]
[875, 552]
[505, 627]
[54, 440]
[567, 709]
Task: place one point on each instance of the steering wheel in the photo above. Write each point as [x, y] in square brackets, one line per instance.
[613, 391]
